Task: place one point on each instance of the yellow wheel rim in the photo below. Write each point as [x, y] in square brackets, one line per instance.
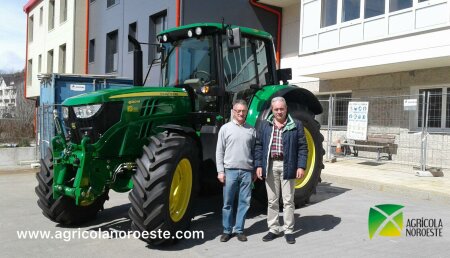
[311, 162]
[180, 190]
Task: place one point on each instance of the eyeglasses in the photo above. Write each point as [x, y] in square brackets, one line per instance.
[240, 111]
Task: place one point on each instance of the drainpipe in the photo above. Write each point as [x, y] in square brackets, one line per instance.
[278, 14]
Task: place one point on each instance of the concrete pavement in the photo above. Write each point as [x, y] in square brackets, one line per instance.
[381, 176]
[387, 177]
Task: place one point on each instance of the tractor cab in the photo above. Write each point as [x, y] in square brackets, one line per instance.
[216, 64]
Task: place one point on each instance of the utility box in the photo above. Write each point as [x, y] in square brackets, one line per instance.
[55, 88]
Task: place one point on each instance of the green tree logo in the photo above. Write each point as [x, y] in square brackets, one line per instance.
[386, 220]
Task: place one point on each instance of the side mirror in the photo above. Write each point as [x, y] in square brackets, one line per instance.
[284, 75]
[234, 38]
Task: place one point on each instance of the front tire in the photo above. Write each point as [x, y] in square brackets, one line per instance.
[62, 210]
[164, 186]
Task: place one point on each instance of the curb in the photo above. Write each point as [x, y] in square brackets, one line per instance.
[387, 187]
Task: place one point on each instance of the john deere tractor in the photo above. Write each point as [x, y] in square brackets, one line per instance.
[159, 142]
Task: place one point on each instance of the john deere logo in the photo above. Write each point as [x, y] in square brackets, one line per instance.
[386, 220]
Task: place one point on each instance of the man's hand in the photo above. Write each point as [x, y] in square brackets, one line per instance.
[300, 173]
[259, 173]
[221, 177]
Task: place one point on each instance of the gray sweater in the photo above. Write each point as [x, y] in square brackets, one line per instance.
[235, 146]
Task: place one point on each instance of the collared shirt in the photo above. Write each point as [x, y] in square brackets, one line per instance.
[276, 149]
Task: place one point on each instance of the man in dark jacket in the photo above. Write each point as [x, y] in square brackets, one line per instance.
[280, 156]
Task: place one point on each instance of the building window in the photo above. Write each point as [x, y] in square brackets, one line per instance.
[158, 23]
[110, 3]
[91, 50]
[447, 117]
[30, 28]
[132, 31]
[51, 14]
[111, 51]
[63, 11]
[350, 9]
[329, 13]
[50, 61]
[29, 71]
[41, 15]
[439, 104]
[62, 59]
[91, 1]
[340, 108]
[373, 8]
[39, 63]
[395, 5]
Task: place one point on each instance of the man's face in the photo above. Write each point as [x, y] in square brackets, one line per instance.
[279, 110]
[239, 113]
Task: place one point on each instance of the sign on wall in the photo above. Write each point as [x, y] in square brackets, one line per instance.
[357, 120]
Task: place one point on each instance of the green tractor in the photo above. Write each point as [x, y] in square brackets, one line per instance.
[159, 142]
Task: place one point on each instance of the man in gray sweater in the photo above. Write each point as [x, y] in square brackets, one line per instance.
[234, 158]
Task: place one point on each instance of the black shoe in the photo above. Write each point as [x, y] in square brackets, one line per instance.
[241, 237]
[269, 237]
[290, 239]
[225, 237]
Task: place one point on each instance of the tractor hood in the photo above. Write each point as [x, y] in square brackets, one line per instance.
[108, 95]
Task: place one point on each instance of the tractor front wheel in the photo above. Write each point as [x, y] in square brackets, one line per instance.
[165, 184]
[62, 210]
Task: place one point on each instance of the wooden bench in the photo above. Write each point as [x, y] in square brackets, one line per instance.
[382, 143]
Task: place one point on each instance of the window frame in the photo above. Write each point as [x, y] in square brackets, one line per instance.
[135, 35]
[108, 56]
[91, 51]
[153, 31]
[444, 106]
[340, 95]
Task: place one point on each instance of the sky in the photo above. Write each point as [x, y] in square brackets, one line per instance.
[13, 23]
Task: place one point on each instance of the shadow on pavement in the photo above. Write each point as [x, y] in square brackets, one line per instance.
[208, 218]
[325, 191]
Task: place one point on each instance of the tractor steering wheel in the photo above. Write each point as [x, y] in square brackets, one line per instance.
[204, 76]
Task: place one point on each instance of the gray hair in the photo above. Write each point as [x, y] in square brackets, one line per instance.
[240, 101]
[278, 99]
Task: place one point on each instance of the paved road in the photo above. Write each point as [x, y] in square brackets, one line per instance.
[333, 225]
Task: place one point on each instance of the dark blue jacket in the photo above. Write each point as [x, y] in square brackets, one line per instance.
[295, 148]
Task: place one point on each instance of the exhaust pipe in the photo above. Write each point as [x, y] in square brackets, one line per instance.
[137, 61]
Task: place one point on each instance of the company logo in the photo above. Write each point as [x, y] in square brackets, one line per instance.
[386, 220]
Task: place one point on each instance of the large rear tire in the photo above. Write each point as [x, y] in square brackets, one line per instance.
[62, 210]
[165, 184]
[306, 186]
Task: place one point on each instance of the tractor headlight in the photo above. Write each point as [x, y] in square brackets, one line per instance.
[198, 31]
[65, 112]
[86, 111]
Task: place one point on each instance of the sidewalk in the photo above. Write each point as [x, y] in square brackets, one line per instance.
[387, 177]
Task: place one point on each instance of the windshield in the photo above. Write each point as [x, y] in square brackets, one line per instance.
[187, 59]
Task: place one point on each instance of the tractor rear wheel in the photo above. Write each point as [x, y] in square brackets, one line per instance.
[62, 210]
[306, 186]
[165, 184]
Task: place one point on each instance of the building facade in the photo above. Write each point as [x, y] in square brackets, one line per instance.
[111, 21]
[8, 96]
[382, 51]
[56, 40]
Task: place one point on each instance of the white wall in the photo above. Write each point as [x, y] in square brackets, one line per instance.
[413, 38]
[45, 40]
